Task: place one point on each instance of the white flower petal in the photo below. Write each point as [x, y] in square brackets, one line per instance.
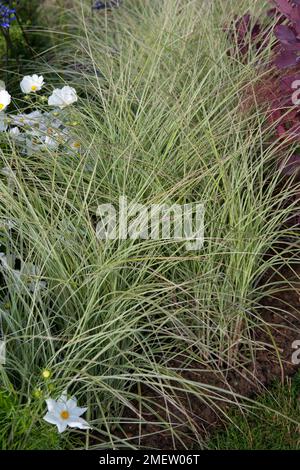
[62, 97]
[64, 412]
[5, 99]
[54, 406]
[51, 418]
[32, 83]
[62, 426]
[51, 404]
[79, 423]
[71, 404]
[14, 131]
[78, 411]
[63, 398]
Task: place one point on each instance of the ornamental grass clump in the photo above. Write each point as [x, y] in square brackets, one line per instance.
[150, 337]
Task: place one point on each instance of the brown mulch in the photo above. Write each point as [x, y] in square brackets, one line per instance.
[281, 326]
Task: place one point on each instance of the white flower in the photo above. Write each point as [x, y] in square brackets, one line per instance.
[64, 412]
[5, 99]
[14, 131]
[62, 97]
[32, 83]
[2, 85]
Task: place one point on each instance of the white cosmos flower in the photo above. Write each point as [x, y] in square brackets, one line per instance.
[64, 412]
[62, 97]
[32, 83]
[5, 99]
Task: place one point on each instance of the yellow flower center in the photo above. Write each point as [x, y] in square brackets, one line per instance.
[1, 106]
[33, 88]
[46, 374]
[64, 414]
[77, 145]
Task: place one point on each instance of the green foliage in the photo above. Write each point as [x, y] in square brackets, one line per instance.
[22, 427]
[273, 424]
[159, 120]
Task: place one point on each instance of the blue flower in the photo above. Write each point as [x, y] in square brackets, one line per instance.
[7, 15]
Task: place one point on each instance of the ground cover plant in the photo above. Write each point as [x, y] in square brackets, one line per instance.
[130, 343]
[263, 428]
